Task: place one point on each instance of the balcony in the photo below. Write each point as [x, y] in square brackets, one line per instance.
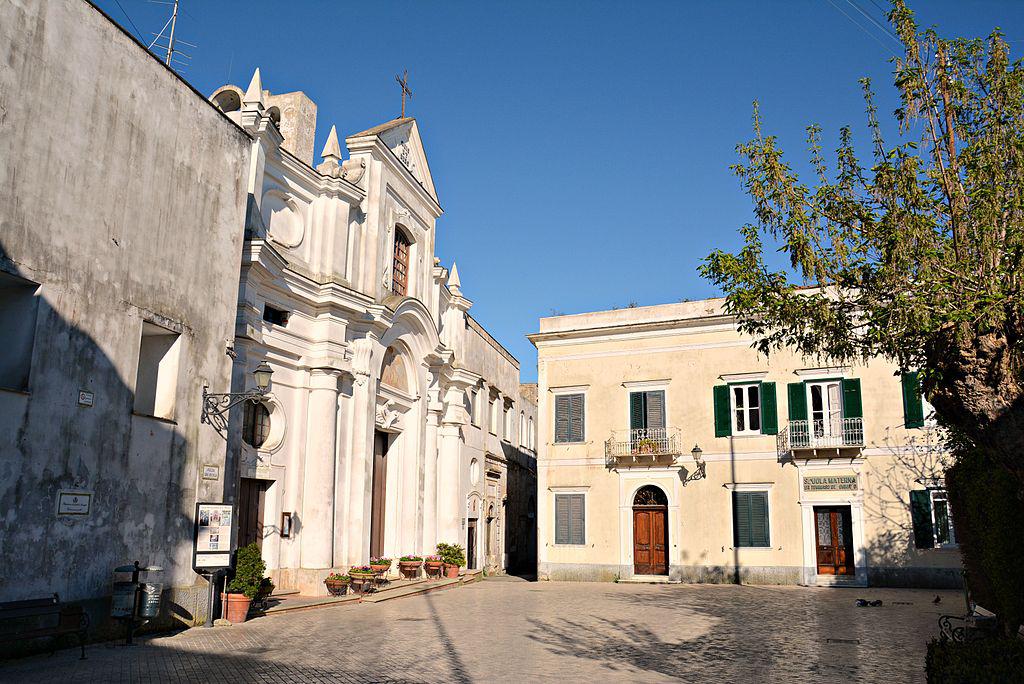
[809, 435]
[645, 446]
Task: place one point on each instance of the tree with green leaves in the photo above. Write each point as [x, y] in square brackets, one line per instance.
[914, 255]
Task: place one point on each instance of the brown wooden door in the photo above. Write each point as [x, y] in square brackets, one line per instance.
[834, 535]
[379, 493]
[650, 541]
[252, 495]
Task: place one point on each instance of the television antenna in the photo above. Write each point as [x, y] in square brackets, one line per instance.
[173, 57]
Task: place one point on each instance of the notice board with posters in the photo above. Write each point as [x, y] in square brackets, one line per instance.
[211, 542]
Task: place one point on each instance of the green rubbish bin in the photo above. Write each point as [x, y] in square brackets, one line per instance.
[151, 595]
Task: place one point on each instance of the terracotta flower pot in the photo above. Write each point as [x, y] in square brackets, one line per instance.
[451, 571]
[383, 567]
[409, 569]
[433, 568]
[236, 607]
[336, 587]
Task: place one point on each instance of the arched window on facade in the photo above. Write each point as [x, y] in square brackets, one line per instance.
[400, 263]
[533, 436]
[523, 435]
[255, 424]
[393, 372]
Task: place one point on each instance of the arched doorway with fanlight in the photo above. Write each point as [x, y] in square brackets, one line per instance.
[650, 531]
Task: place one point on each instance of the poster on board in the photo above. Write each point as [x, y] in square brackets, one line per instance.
[211, 544]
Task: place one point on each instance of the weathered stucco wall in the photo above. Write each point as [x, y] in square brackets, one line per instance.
[122, 196]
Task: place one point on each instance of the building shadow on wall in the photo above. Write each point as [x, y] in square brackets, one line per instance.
[520, 519]
[58, 440]
[915, 463]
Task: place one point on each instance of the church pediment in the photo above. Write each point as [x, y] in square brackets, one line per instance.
[402, 137]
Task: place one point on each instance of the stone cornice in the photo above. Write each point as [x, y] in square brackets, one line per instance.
[626, 329]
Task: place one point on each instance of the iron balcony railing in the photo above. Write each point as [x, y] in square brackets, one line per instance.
[645, 445]
[838, 433]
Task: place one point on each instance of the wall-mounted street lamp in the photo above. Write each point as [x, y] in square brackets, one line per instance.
[217, 405]
[698, 458]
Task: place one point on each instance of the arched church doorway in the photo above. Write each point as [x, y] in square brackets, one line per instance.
[650, 531]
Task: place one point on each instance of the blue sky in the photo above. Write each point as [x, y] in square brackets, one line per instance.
[581, 150]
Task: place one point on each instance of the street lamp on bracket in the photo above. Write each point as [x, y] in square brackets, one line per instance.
[217, 405]
[698, 458]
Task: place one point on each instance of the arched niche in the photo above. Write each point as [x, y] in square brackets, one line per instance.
[394, 371]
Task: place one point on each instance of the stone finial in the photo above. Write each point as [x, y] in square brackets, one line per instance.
[332, 150]
[454, 284]
[254, 93]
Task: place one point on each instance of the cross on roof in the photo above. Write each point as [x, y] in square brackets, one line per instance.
[404, 83]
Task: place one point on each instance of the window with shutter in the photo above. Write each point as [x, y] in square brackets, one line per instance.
[921, 518]
[745, 409]
[913, 404]
[750, 519]
[570, 519]
[647, 410]
[569, 416]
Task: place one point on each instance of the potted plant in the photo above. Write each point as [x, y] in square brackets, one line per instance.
[433, 565]
[337, 584]
[646, 446]
[361, 577]
[246, 585]
[380, 564]
[453, 557]
[409, 566]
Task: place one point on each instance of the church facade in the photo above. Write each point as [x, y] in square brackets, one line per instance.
[368, 444]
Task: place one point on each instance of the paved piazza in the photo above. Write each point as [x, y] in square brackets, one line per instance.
[509, 630]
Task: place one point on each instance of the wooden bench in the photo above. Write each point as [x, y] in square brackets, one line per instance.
[45, 617]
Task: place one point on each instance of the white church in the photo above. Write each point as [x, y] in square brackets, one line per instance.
[394, 421]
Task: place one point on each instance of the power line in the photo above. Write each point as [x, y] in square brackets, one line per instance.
[862, 28]
[884, 28]
[138, 33]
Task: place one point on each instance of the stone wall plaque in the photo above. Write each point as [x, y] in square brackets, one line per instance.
[74, 502]
[211, 472]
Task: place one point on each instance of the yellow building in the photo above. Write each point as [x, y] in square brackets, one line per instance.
[670, 449]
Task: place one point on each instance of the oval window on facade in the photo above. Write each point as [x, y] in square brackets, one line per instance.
[255, 424]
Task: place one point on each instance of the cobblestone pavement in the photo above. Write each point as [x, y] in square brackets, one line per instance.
[519, 631]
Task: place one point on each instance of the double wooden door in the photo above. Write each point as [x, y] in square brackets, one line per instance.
[252, 496]
[650, 540]
[834, 536]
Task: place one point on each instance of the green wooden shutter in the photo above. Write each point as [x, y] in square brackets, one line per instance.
[913, 407]
[637, 412]
[741, 519]
[562, 405]
[797, 394]
[769, 409]
[723, 419]
[576, 410]
[562, 534]
[921, 517]
[655, 414]
[577, 519]
[852, 407]
[758, 518]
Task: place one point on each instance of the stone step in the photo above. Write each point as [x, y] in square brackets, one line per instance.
[409, 590]
[648, 579]
[294, 601]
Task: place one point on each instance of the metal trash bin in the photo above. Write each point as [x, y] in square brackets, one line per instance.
[151, 597]
[122, 604]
